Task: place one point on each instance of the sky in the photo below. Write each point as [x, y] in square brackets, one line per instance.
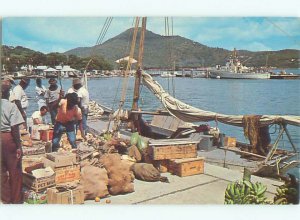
[59, 34]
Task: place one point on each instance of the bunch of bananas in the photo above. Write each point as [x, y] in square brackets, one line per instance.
[245, 192]
[286, 195]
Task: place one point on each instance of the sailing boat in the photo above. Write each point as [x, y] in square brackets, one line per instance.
[234, 69]
[268, 162]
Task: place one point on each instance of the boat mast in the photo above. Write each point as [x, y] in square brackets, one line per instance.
[137, 83]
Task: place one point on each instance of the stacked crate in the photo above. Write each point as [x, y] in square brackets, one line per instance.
[64, 165]
[177, 156]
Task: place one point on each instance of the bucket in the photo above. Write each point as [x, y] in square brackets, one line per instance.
[46, 135]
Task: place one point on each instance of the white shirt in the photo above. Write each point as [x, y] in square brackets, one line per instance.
[37, 115]
[12, 97]
[52, 95]
[10, 115]
[39, 91]
[20, 95]
[83, 94]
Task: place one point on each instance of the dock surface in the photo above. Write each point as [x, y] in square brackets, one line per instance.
[207, 188]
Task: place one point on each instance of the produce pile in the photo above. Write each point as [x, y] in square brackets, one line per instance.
[95, 111]
[106, 166]
[247, 192]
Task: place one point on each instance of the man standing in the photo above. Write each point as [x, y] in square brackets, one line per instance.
[83, 96]
[11, 151]
[21, 99]
[40, 91]
[10, 80]
[67, 116]
[53, 96]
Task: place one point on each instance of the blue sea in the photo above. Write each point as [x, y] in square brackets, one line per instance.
[236, 97]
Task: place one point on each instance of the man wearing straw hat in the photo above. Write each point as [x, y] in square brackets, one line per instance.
[53, 96]
[83, 102]
[21, 98]
[10, 80]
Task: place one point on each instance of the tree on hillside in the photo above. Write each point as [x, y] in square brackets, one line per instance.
[54, 59]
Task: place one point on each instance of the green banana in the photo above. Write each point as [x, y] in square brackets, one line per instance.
[231, 190]
[227, 196]
[261, 190]
[254, 187]
[236, 190]
[248, 183]
[280, 201]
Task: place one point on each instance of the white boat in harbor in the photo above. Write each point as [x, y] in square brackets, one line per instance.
[167, 75]
[234, 69]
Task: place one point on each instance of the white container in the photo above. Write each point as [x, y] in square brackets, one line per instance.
[35, 134]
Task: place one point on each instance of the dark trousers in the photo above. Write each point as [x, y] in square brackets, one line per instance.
[53, 113]
[11, 171]
[58, 130]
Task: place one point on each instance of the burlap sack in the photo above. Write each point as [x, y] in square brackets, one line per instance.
[134, 152]
[145, 172]
[119, 174]
[94, 181]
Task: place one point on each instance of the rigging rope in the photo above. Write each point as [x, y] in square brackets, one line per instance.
[283, 31]
[125, 53]
[171, 60]
[128, 68]
[99, 41]
[100, 38]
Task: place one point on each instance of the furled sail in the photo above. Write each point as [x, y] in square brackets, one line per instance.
[189, 113]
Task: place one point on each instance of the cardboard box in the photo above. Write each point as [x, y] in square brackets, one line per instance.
[62, 159]
[75, 196]
[28, 161]
[187, 167]
[172, 149]
[64, 174]
[229, 142]
[40, 179]
[34, 150]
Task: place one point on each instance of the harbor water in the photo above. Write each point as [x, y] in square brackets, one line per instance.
[233, 97]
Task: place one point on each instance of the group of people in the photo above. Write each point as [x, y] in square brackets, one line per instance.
[68, 114]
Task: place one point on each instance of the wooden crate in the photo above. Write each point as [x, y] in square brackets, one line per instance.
[186, 167]
[38, 184]
[75, 196]
[63, 174]
[172, 149]
[161, 165]
[62, 159]
[34, 150]
[229, 142]
[28, 161]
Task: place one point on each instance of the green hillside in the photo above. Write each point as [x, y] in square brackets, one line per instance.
[162, 51]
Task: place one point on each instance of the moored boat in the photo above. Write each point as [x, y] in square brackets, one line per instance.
[234, 69]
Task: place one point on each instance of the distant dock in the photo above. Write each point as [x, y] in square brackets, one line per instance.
[284, 76]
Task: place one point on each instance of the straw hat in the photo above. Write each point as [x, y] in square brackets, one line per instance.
[9, 79]
[76, 81]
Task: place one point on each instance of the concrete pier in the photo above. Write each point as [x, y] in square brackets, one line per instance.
[207, 188]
